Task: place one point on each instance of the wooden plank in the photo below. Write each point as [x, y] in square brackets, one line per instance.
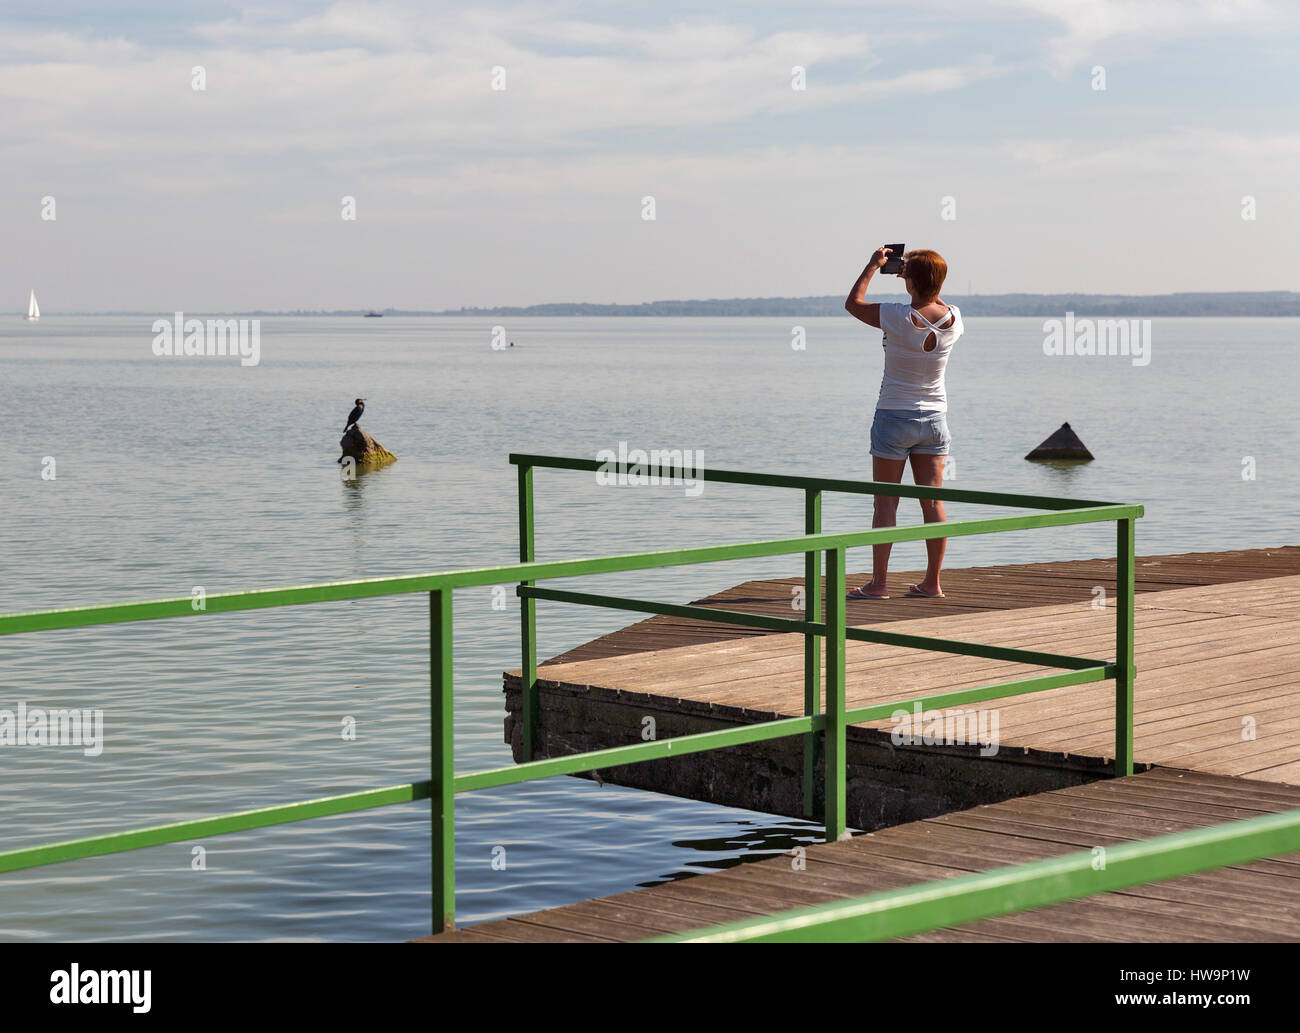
[539, 932]
[971, 589]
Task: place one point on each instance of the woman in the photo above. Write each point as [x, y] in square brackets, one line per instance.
[910, 421]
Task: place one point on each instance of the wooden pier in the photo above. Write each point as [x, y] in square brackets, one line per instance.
[1259, 901]
[1201, 672]
[1216, 736]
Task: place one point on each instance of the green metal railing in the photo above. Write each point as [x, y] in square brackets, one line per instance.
[831, 724]
[1082, 669]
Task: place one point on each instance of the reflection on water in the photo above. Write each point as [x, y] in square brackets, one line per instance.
[1066, 468]
[756, 842]
[354, 486]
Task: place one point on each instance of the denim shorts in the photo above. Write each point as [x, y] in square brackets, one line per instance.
[897, 433]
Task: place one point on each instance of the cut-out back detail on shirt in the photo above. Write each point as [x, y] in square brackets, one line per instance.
[945, 323]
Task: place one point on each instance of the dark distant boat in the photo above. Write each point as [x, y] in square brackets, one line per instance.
[374, 315]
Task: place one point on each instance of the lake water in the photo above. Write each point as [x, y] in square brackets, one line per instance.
[173, 473]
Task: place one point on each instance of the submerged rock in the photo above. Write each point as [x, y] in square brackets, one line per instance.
[357, 444]
[1063, 443]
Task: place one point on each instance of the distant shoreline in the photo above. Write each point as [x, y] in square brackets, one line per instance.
[1191, 304]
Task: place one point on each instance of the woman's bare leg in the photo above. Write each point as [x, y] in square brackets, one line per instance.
[929, 470]
[884, 514]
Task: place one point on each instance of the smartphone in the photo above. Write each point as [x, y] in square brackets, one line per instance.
[894, 263]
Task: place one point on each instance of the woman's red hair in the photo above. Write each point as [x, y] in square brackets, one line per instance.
[927, 271]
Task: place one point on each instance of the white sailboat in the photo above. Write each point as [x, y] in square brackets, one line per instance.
[33, 310]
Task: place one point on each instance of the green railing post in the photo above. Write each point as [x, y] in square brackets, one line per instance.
[527, 619]
[1125, 671]
[442, 775]
[836, 772]
[812, 660]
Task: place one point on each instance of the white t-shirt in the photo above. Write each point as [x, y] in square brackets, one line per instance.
[913, 377]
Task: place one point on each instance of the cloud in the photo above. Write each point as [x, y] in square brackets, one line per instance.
[375, 85]
[1091, 27]
[231, 195]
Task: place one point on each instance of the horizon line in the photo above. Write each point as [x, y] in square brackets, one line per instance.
[810, 299]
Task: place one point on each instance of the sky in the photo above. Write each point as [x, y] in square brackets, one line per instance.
[977, 129]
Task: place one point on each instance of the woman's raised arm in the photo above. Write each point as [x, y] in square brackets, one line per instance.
[856, 304]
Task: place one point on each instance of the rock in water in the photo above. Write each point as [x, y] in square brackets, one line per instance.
[1062, 444]
[357, 444]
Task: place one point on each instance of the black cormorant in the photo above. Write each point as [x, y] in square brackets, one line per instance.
[355, 414]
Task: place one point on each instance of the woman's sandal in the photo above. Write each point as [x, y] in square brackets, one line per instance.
[914, 592]
[858, 593]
